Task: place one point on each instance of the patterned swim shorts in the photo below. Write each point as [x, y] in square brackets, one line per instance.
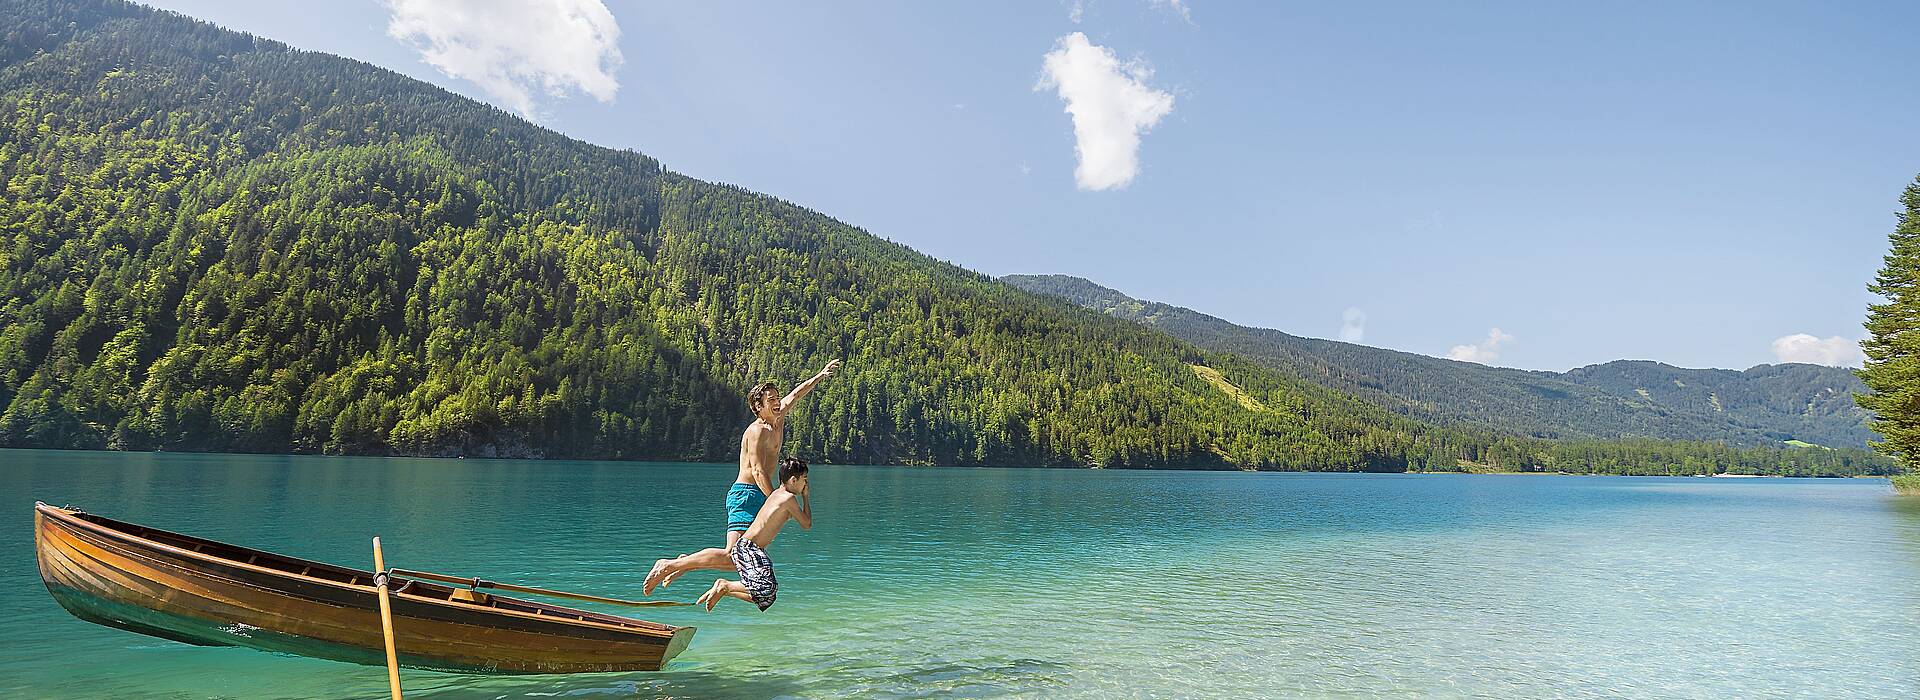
[756, 571]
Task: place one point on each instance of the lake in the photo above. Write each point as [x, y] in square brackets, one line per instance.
[924, 582]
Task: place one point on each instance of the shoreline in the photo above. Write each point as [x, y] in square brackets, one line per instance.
[1664, 476]
[1913, 489]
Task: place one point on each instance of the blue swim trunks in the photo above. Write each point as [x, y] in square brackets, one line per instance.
[743, 503]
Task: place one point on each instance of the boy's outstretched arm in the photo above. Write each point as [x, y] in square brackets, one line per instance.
[806, 386]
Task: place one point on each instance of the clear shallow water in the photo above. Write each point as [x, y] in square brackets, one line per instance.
[1054, 583]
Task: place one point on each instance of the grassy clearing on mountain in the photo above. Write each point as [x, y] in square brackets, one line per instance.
[1220, 382]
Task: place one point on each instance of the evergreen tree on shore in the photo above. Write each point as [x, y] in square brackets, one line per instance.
[1893, 343]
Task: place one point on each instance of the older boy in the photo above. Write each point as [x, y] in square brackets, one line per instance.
[749, 553]
[759, 454]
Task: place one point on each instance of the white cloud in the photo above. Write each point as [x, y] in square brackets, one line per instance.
[516, 50]
[1833, 352]
[1111, 106]
[1353, 325]
[1483, 352]
[1076, 10]
[1179, 6]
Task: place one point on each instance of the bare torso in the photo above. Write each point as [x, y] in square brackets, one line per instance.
[772, 516]
[760, 454]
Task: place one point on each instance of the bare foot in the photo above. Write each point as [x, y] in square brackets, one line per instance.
[668, 581]
[713, 595]
[653, 576]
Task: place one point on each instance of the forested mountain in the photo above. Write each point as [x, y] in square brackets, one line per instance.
[215, 242]
[1792, 401]
[1765, 405]
[212, 241]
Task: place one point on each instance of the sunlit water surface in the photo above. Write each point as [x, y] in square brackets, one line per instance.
[1056, 583]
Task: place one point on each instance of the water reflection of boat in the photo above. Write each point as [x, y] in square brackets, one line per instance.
[204, 592]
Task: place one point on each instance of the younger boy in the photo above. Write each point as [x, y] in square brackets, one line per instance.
[749, 553]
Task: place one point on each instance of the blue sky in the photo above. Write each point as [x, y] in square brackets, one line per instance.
[1694, 183]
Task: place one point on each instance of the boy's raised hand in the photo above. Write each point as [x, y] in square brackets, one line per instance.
[806, 511]
[803, 387]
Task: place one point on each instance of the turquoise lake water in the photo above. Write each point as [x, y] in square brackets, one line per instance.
[922, 582]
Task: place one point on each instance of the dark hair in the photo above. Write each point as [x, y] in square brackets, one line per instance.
[759, 395]
[792, 467]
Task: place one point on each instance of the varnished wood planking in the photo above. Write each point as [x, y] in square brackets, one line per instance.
[203, 596]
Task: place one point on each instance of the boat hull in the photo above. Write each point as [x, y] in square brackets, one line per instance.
[124, 580]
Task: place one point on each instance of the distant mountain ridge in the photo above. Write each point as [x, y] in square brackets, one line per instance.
[1763, 405]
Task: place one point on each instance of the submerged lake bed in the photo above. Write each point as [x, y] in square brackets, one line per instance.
[937, 582]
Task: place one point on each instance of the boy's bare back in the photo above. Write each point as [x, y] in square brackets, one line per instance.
[781, 507]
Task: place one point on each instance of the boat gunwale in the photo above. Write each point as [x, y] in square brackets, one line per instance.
[654, 630]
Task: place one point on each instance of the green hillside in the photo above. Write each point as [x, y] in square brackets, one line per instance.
[215, 242]
[1765, 405]
[1785, 402]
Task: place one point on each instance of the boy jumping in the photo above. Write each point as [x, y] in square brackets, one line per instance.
[749, 553]
[759, 455]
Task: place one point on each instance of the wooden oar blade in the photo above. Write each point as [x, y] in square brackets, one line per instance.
[483, 583]
[584, 596]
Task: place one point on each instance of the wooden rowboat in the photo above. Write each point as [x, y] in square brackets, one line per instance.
[204, 592]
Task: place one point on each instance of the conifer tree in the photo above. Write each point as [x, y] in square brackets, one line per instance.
[1893, 343]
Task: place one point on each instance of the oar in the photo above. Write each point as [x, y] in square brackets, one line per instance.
[386, 619]
[483, 583]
